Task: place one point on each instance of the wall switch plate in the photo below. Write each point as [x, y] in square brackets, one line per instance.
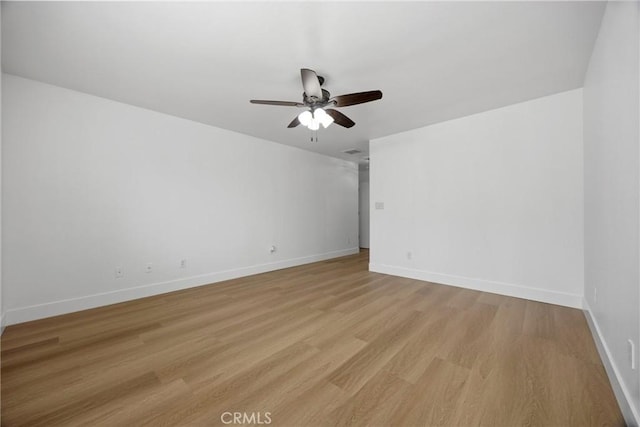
[183, 263]
[148, 268]
[119, 272]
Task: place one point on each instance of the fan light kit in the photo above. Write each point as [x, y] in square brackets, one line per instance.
[313, 119]
[315, 100]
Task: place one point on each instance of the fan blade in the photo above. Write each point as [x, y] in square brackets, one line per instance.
[310, 83]
[280, 103]
[340, 118]
[357, 98]
[295, 122]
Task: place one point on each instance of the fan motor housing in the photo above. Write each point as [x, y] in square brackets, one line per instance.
[313, 101]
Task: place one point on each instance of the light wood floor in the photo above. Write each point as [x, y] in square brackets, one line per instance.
[326, 344]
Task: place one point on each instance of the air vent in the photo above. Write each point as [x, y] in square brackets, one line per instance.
[352, 151]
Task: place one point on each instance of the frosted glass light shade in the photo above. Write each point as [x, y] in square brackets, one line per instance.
[323, 117]
[314, 124]
[305, 118]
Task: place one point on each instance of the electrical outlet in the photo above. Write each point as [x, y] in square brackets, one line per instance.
[632, 353]
[119, 272]
[409, 255]
[149, 268]
[273, 249]
[183, 263]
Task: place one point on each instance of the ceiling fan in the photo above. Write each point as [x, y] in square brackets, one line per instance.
[316, 100]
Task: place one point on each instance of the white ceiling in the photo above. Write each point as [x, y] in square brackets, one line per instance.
[203, 61]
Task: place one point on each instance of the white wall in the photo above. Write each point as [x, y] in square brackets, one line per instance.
[363, 193]
[90, 185]
[492, 201]
[612, 186]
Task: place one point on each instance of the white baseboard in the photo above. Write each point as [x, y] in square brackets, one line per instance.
[518, 291]
[55, 308]
[630, 412]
